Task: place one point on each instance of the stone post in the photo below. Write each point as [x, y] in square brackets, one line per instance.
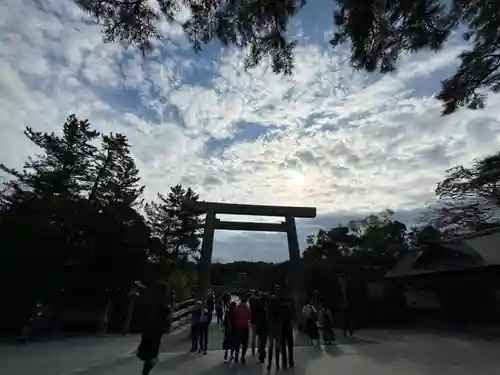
[206, 257]
[297, 283]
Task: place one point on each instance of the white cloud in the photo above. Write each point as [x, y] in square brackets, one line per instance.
[357, 142]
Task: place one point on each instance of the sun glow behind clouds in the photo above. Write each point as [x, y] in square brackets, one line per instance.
[294, 177]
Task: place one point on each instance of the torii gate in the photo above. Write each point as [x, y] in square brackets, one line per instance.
[288, 226]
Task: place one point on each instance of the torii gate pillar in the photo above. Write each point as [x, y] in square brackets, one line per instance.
[207, 245]
[297, 283]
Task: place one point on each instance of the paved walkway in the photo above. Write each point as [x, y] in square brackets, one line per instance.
[370, 353]
[181, 343]
[64, 356]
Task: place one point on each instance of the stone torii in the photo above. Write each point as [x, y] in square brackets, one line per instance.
[211, 209]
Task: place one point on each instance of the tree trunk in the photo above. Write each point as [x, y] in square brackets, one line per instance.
[99, 177]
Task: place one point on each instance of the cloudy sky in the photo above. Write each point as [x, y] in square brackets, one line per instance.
[347, 143]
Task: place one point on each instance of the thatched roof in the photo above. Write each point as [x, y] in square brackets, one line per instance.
[471, 251]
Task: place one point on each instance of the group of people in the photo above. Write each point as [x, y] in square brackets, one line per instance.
[320, 319]
[201, 317]
[259, 320]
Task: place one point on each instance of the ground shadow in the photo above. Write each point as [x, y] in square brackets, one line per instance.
[250, 368]
[302, 356]
[333, 350]
[173, 361]
[181, 342]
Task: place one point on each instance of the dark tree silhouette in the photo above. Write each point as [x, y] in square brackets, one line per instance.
[179, 231]
[116, 177]
[377, 32]
[69, 209]
[372, 244]
[468, 198]
[420, 236]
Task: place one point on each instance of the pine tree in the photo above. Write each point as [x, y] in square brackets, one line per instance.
[70, 206]
[62, 167]
[178, 230]
[41, 214]
[116, 177]
[377, 33]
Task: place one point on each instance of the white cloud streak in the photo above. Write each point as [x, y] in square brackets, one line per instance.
[357, 143]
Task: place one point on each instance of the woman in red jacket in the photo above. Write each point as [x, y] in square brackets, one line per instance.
[242, 316]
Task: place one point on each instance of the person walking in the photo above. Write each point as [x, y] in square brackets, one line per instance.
[195, 325]
[253, 302]
[205, 320]
[287, 342]
[346, 319]
[226, 299]
[229, 327]
[262, 328]
[274, 329]
[154, 326]
[311, 314]
[211, 303]
[242, 315]
[219, 312]
[327, 326]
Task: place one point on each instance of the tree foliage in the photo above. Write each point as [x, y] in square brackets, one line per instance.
[178, 231]
[260, 275]
[420, 236]
[377, 32]
[72, 210]
[371, 244]
[468, 198]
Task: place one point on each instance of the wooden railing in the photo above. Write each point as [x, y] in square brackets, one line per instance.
[182, 313]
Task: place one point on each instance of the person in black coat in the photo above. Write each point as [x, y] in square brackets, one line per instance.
[196, 315]
[206, 318]
[275, 326]
[287, 357]
[260, 325]
[154, 326]
[229, 341]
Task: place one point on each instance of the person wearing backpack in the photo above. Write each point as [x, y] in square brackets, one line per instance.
[311, 314]
[206, 318]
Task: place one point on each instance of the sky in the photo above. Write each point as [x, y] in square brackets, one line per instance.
[348, 143]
